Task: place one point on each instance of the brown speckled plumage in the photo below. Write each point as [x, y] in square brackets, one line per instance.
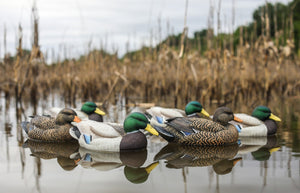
[205, 138]
[47, 129]
[43, 122]
[203, 132]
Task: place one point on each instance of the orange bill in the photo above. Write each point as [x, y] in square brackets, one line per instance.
[76, 161]
[237, 119]
[77, 119]
[236, 160]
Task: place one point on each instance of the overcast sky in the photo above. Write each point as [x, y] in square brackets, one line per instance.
[67, 26]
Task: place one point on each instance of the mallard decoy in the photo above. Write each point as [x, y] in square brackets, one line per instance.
[199, 131]
[49, 129]
[260, 123]
[107, 136]
[88, 111]
[191, 110]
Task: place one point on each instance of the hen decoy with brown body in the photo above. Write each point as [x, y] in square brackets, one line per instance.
[199, 131]
[49, 129]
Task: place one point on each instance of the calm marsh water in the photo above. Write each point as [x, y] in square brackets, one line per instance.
[263, 164]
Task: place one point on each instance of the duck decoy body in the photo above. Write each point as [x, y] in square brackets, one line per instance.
[200, 131]
[110, 136]
[88, 111]
[260, 123]
[191, 110]
[49, 129]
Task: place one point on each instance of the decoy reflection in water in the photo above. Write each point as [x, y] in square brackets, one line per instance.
[191, 110]
[132, 161]
[222, 158]
[49, 129]
[199, 131]
[260, 123]
[89, 111]
[265, 151]
[98, 136]
[268, 144]
[61, 151]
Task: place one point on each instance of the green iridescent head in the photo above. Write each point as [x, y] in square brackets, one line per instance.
[195, 107]
[263, 113]
[91, 107]
[136, 121]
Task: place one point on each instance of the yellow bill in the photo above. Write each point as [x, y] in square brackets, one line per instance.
[274, 117]
[151, 167]
[98, 111]
[151, 130]
[204, 112]
[274, 149]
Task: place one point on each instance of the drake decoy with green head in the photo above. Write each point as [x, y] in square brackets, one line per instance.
[49, 129]
[98, 136]
[260, 123]
[200, 131]
[88, 111]
[191, 110]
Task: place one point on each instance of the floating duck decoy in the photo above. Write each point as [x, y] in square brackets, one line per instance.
[49, 129]
[260, 123]
[88, 111]
[191, 110]
[98, 136]
[200, 131]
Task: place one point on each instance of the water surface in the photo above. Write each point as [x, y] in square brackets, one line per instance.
[262, 164]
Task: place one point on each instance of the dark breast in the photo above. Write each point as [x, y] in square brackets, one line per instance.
[271, 126]
[133, 141]
[96, 117]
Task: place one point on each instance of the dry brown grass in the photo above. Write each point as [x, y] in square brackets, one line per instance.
[215, 77]
[257, 72]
